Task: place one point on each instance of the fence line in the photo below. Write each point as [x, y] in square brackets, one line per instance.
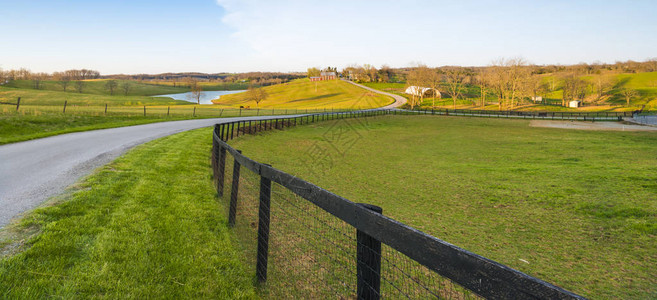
[312, 243]
[574, 116]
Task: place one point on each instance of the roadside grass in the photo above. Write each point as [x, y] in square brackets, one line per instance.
[147, 225]
[574, 208]
[37, 122]
[301, 93]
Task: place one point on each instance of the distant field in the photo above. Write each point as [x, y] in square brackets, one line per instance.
[302, 93]
[97, 87]
[574, 208]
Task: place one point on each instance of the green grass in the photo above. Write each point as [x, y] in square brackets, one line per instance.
[302, 93]
[145, 226]
[579, 206]
[97, 87]
[31, 97]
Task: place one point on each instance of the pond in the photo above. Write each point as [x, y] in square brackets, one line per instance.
[206, 96]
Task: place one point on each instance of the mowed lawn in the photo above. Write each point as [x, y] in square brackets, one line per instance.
[147, 226]
[574, 208]
[303, 94]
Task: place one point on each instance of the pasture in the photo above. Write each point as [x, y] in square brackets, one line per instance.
[574, 208]
[301, 93]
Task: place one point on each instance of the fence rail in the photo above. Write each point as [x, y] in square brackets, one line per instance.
[311, 243]
[580, 116]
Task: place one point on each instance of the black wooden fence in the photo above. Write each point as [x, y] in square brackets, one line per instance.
[574, 116]
[302, 241]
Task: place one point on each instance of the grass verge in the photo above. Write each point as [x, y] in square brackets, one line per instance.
[574, 208]
[144, 226]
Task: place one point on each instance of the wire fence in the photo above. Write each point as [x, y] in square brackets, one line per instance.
[301, 241]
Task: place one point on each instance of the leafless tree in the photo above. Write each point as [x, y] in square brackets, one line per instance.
[417, 78]
[37, 79]
[79, 85]
[126, 86]
[455, 78]
[433, 81]
[196, 90]
[256, 94]
[111, 85]
[628, 94]
[602, 85]
[574, 88]
[62, 79]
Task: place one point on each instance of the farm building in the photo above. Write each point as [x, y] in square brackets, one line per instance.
[574, 104]
[422, 91]
[324, 76]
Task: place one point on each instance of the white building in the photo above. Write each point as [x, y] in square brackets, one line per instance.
[422, 91]
[574, 104]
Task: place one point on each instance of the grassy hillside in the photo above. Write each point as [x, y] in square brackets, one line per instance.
[574, 208]
[138, 228]
[304, 94]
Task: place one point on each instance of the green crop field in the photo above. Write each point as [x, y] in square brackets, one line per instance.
[144, 226]
[302, 93]
[574, 208]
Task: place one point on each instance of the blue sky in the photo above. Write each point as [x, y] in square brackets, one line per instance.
[239, 36]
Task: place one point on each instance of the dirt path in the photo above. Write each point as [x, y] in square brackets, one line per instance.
[579, 125]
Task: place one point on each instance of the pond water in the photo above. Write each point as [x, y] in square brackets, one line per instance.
[206, 96]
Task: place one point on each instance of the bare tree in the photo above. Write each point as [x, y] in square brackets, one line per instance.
[602, 85]
[79, 85]
[455, 78]
[485, 81]
[433, 80]
[111, 85]
[62, 78]
[126, 86]
[37, 79]
[628, 94]
[196, 90]
[256, 94]
[574, 88]
[416, 79]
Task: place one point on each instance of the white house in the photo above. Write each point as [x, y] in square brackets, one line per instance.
[422, 91]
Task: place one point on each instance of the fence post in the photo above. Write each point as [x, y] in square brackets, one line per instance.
[232, 129]
[263, 228]
[194, 113]
[232, 209]
[64, 111]
[18, 103]
[105, 108]
[168, 108]
[221, 170]
[368, 258]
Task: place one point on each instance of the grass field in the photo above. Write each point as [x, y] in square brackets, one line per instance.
[144, 226]
[574, 208]
[302, 93]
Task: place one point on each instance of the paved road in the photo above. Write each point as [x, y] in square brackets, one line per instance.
[33, 171]
[399, 100]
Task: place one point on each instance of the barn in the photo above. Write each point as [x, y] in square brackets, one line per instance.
[324, 76]
[422, 91]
